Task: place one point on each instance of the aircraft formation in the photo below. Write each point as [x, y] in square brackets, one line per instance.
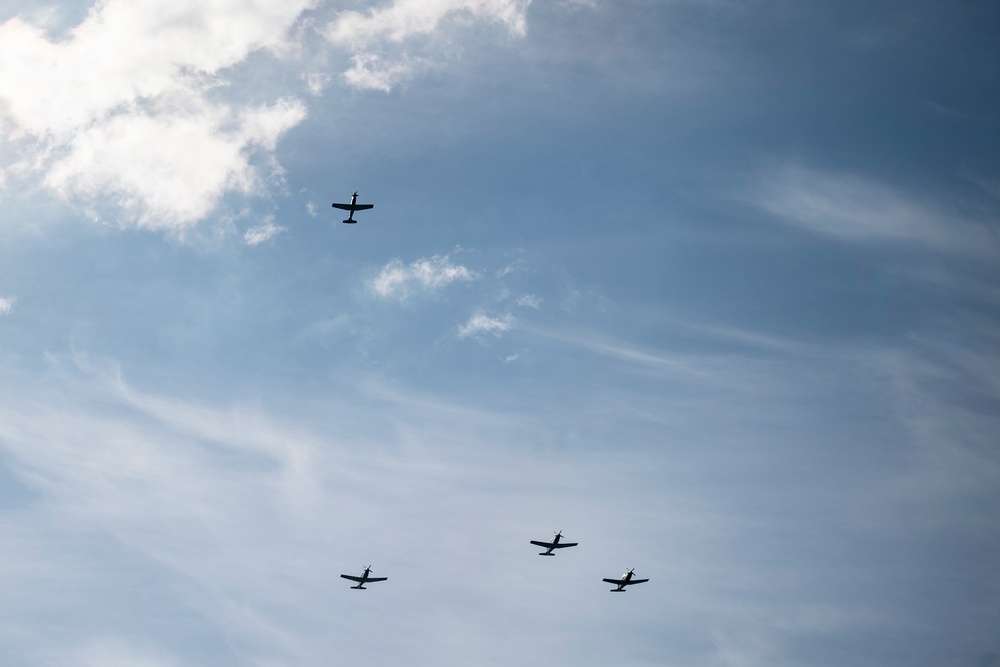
[556, 543]
[625, 580]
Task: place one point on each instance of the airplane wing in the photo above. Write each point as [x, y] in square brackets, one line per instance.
[369, 579]
[358, 579]
[563, 545]
[355, 207]
[636, 581]
[616, 582]
[547, 545]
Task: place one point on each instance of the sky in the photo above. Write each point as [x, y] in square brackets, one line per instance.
[710, 286]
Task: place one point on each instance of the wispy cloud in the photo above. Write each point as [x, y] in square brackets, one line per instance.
[246, 519]
[481, 323]
[854, 208]
[6, 304]
[529, 301]
[383, 39]
[400, 280]
[265, 232]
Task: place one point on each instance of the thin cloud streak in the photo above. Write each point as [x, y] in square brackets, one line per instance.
[858, 209]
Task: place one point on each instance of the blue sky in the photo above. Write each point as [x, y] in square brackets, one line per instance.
[710, 286]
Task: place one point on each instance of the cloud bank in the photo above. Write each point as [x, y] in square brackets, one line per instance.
[123, 108]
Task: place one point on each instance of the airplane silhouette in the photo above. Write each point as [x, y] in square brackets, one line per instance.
[352, 207]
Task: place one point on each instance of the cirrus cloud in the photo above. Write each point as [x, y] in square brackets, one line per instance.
[859, 209]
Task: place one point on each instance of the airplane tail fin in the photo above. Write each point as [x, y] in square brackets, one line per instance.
[546, 553]
[350, 222]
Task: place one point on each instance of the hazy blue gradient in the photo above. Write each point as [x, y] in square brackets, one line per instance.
[712, 287]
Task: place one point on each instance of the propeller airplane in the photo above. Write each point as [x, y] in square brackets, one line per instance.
[352, 207]
[554, 544]
[626, 580]
[363, 579]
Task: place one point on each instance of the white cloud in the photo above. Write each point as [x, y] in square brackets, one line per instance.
[168, 171]
[6, 304]
[854, 208]
[401, 280]
[265, 232]
[370, 72]
[381, 39]
[121, 108]
[481, 323]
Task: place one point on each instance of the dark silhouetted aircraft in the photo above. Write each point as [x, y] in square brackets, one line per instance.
[352, 207]
[626, 580]
[554, 544]
[363, 579]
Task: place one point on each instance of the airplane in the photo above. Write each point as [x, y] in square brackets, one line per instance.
[352, 207]
[363, 579]
[626, 580]
[554, 544]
